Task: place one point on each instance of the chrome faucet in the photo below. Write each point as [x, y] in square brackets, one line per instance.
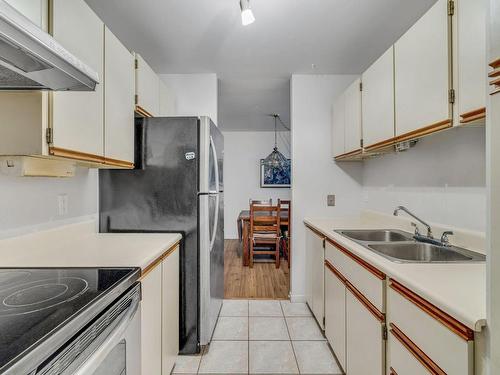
[403, 208]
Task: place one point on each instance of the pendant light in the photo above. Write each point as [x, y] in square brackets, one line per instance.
[247, 16]
[276, 159]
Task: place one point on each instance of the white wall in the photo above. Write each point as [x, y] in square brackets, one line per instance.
[195, 94]
[314, 173]
[30, 203]
[442, 179]
[242, 153]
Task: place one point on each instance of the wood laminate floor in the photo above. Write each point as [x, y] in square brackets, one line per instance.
[263, 281]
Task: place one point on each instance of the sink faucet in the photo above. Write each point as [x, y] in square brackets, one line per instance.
[403, 208]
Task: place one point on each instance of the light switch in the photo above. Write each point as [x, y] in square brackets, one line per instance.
[330, 200]
[62, 204]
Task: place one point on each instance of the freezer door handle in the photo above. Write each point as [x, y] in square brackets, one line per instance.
[216, 193]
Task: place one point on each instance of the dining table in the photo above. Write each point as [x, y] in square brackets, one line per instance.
[243, 223]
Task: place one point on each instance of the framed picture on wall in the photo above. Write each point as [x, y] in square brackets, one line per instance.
[275, 177]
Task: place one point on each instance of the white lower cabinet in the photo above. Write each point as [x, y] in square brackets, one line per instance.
[401, 360]
[365, 346]
[160, 316]
[170, 313]
[151, 316]
[335, 311]
[315, 274]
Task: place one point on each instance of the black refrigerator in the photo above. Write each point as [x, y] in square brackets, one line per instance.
[177, 186]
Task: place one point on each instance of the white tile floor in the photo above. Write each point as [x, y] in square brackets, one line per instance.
[263, 337]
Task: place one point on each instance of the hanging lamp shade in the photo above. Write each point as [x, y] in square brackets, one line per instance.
[276, 159]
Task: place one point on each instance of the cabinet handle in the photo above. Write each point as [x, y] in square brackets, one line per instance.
[393, 372]
[365, 302]
[423, 358]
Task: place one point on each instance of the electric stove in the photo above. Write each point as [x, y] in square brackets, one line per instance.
[41, 309]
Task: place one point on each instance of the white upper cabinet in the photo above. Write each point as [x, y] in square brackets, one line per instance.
[353, 117]
[119, 91]
[77, 117]
[422, 65]
[338, 126]
[147, 86]
[378, 100]
[471, 59]
[35, 10]
[167, 100]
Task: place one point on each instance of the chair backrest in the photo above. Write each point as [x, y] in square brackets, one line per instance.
[264, 219]
[285, 205]
[261, 202]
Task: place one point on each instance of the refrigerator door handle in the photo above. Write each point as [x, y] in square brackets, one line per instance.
[217, 198]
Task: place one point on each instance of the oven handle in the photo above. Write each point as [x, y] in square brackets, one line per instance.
[95, 359]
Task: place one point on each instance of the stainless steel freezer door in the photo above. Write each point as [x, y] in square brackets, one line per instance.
[211, 255]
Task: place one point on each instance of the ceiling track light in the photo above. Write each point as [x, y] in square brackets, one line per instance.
[247, 16]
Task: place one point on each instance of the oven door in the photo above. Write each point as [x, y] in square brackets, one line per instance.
[115, 351]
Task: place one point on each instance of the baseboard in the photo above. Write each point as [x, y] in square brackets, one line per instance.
[297, 298]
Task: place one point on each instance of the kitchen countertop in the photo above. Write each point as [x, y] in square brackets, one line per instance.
[457, 289]
[79, 245]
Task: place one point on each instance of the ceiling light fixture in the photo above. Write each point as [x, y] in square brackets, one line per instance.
[276, 159]
[247, 16]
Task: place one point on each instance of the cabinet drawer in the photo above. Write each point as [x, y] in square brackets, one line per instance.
[441, 337]
[401, 359]
[367, 279]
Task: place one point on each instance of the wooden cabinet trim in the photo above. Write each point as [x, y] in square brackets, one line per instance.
[393, 372]
[350, 154]
[361, 298]
[448, 321]
[471, 116]
[379, 274]
[77, 155]
[142, 111]
[119, 163]
[426, 130]
[335, 271]
[365, 302]
[158, 260]
[315, 231]
[423, 358]
[83, 156]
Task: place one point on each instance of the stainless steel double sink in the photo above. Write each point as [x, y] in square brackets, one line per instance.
[399, 246]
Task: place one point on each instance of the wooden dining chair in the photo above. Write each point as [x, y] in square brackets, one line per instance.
[264, 232]
[285, 205]
[261, 202]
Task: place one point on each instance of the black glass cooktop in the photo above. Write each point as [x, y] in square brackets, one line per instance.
[36, 304]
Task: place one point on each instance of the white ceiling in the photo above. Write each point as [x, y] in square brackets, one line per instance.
[254, 63]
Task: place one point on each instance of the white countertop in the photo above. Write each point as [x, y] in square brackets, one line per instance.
[79, 245]
[457, 289]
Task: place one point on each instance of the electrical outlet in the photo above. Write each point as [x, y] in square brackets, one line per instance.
[330, 200]
[62, 204]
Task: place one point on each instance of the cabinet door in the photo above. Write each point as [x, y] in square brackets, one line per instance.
[119, 94]
[335, 323]
[365, 347]
[167, 100]
[338, 126]
[471, 57]
[378, 100]
[35, 10]
[422, 72]
[170, 314]
[151, 321]
[147, 86]
[318, 272]
[309, 271]
[77, 117]
[353, 117]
